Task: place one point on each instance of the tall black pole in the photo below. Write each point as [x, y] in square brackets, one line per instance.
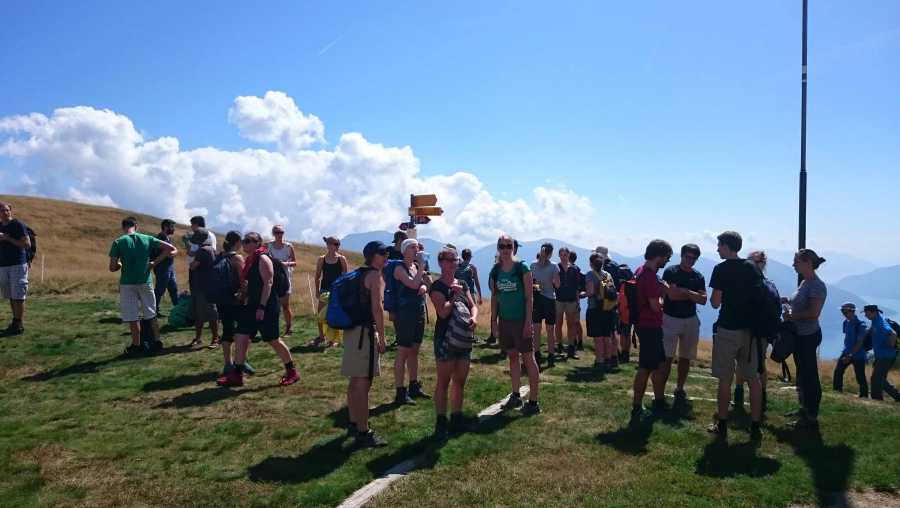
[801, 240]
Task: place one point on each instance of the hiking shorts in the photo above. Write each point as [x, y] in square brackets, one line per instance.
[734, 346]
[267, 328]
[444, 353]
[682, 334]
[543, 309]
[410, 330]
[360, 357]
[569, 310]
[136, 302]
[651, 354]
[203, 310]
[601, 323]
[14, 281]
[512, 336]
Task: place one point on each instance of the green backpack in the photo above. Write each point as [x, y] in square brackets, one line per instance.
[180, 316]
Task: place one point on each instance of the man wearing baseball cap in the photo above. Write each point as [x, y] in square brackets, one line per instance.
[854, 353]
[884, 346]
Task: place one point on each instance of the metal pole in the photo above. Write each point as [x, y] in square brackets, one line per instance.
[42, 268]
[801, 236]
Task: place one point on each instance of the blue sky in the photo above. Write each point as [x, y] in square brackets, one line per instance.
[672, 118]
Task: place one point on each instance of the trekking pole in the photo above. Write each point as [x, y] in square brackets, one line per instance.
[312, 294]
[42, 268]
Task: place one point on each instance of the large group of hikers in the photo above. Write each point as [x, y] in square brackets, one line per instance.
[247, 285]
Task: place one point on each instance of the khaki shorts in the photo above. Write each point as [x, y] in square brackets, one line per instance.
[361, 358]
[512, 337]
[683, 333]
[568, 309]
[203, 310]
[136, 302]
[14, 282]
[730, 347]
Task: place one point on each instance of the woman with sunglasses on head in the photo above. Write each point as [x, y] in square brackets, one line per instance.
[511, 286]
[284, 252]
[329, 267]
[452, 363]
[259, 313]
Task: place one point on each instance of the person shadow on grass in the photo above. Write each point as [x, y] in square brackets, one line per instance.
[631, 439]
[728, 460]
[830, 466]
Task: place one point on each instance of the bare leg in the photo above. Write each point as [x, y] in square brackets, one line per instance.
[241, 346]
[515, 372]
[400, 366]
[286, 310]
[684, 367]
[667, 370]
[444, 374]
[724, 398]
[214, 328]
[359, 403]
[155, 324]
[640, 385]
[599, 350]
[18, 310]
[135, 328]
[412, 362]
[658, 380]
[319, 323]
[281, 350]
[460, 374]
[533, 375]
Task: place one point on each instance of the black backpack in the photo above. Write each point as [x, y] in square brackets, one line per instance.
[281, 282]
[30, 252]
[221, 282]
[767, 303]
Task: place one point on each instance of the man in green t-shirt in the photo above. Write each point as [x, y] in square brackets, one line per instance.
[130, 253]
[511, 300]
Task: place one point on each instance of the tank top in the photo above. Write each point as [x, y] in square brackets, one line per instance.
[283, 254]
[330, 273]
[254, 289]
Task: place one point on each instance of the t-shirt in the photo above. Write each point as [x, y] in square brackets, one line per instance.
[543, 278]
[648, 286]
[511, 292]
[199, 277]
[192, 247]
[569, 284]
[133, 250]
[881, 330]
[809, 288]
[166, 263]
[596, 281]
[10, 255]
[692, 280]
[735, 278]
[852, 329]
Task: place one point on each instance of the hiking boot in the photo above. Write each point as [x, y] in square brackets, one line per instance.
[352, 431]
[514, 402]
[559, 348]
[402, 397]
[720, 429]
[551, 361]
[248, 369]
[531, 408]
[368, 440]
[458, 424]
[491, 340]
[803, 423]
[232, 379]
[14, 328]
[637, 412]
[612, 366]
[537, 356]
[570, 352]
[738, 400]
[659, 406]
[755, 432]
[415, 390]
[133, 350]
[580, 345]
[290, 377]
[440, 428]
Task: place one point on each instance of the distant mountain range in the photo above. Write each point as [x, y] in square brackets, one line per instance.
[781, 274]
[881, 282]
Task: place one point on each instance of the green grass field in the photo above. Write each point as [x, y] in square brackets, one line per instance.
[82, 426]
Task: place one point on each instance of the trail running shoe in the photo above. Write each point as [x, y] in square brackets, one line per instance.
[531, 408]
[514, 402]
[290, 377]
[369, 440]
[232, 379]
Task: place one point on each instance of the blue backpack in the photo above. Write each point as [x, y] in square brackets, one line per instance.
[221, 281]
[391, 285]
[346, 308]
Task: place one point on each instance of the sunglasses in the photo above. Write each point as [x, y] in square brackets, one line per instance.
[381, 252]
[451, 260]
[246, 241]
[505, 246]
[336, 244]
[277, 232]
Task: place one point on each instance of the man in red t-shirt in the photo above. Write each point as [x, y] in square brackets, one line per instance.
[652, 359]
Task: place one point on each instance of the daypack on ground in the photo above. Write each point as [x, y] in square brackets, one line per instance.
[346, 309]
[221, 281]
[180, 315]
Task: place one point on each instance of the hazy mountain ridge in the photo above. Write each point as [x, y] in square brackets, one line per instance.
[881, 282]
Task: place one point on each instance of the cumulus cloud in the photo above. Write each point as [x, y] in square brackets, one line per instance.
[98, 156]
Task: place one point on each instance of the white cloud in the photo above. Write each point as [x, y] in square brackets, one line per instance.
[98, 156]
[275, 118]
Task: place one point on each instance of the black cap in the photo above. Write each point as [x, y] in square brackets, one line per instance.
[372, 248]
[871, 308]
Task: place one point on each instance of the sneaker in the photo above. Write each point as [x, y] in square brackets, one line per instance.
[14, 328]
[415, 390]
[659, 406]
[368, 440]
[214, 343]
[196, 342]
[570, 352]
[248, 369]
[290, 377]
[402, 398]
[637, 412]
[531, 408]
[317, 342]
[133, 350]
[514, 402]
[232, 379]
[803, 423]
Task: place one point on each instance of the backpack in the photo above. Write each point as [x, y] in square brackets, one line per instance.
[30, 252]
[767, 322]
[466, 274]
[282, 280]
[180, 315]
[221, 281]
[459, 336]
[896, 327]
[606, 296]
[629, 307]
[346, 308]
[391, 285]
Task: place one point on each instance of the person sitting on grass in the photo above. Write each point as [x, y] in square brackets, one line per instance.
[259, 313]
[130, 253]
[452, 363]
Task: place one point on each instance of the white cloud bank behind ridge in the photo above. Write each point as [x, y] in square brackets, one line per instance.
[98, 156]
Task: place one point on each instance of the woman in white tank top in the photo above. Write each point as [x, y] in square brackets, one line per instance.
[284, 252]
